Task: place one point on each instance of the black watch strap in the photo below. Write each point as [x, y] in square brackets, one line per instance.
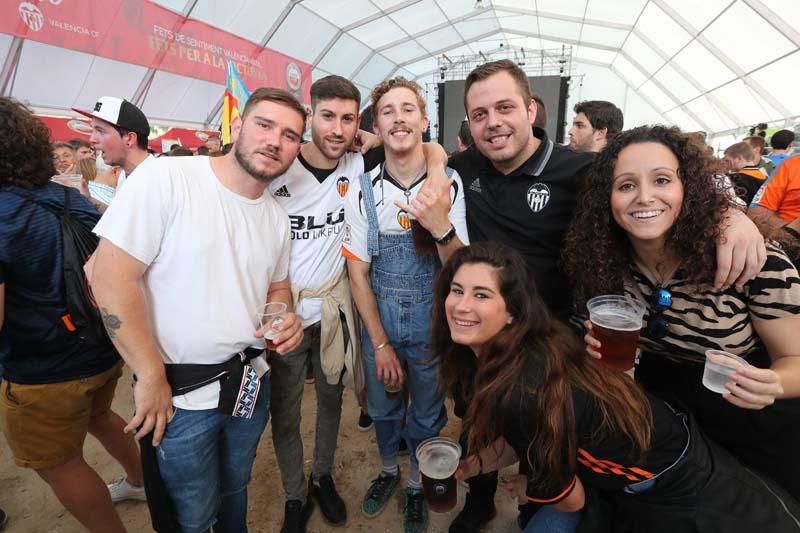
[792, 232]
[447, 237]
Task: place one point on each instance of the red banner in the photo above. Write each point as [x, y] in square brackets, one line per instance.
[146, 34]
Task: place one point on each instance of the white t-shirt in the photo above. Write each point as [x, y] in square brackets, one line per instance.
[391, 219]
[211, 256]
[123, 177]
[316, 213]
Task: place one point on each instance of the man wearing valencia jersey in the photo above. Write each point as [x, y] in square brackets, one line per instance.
[391, 276]
[312, 191]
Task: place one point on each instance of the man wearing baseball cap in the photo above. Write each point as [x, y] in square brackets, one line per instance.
[120, 130]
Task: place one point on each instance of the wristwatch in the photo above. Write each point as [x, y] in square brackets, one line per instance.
[447, 237]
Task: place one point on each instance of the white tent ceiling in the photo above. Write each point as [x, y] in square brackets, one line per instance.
[713, 65]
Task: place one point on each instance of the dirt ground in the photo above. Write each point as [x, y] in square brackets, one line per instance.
[32, 508]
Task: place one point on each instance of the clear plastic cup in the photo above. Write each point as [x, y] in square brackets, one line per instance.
[270, 316]
[718, 368]
[616, 323]
[438, 459]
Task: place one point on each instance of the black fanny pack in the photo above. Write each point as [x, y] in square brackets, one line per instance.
[240, 385]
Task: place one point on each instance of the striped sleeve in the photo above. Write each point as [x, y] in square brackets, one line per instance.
[775, 292]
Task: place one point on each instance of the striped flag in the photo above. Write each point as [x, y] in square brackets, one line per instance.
[236, 95]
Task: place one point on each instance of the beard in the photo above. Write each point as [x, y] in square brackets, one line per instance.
[244, 161]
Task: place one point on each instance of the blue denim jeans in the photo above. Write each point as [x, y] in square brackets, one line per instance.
[403, 285]
[205, 460]
[548, 520]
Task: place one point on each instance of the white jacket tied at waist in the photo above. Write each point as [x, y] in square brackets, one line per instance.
[336, 356]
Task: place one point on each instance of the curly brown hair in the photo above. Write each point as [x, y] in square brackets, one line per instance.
[25, 156]
[598, 252]
[394, 83]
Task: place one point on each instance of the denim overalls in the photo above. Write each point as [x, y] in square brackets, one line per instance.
[402, 282]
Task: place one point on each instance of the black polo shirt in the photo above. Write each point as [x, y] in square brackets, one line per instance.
[529, 209]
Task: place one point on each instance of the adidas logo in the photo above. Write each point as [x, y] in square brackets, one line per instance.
[283, 192]
[475, 185]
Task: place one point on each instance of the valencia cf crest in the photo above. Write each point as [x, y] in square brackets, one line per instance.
[404, 220]
[538, 196]
[342, 184]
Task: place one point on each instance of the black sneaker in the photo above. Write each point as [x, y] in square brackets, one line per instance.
[415, 513]
[3, 519]
[472, 517]
[330, 503]
[379, 493]
[295, 516]
[364, 422]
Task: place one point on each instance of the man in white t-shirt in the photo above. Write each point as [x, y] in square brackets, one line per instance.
[190, 251]
[119, 131]
[392, 265]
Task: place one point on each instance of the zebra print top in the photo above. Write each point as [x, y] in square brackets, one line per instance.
[703, 318]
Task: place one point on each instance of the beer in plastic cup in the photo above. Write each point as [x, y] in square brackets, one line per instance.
[718, 368]
[438, 461]
[68, 180]
[272, 314]
[616, 323]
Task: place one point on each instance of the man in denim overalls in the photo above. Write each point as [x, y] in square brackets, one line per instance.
[392, 265]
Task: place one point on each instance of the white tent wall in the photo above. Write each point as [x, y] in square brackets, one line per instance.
[713, 65]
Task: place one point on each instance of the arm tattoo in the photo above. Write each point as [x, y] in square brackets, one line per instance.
[111, 322]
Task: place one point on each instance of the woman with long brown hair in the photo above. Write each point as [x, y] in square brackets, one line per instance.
[643, 227]
[576, 426]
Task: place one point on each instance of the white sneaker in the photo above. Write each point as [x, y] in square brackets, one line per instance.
[122, 490]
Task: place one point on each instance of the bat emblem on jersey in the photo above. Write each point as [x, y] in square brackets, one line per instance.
[342, 184]
[404, 220]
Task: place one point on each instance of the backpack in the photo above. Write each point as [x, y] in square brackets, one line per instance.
[79, 243]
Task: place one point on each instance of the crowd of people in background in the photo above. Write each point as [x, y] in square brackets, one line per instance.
[406, 275]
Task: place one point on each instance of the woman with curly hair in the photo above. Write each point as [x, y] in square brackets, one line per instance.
[643, 227]
[577, 427]
[57, 385]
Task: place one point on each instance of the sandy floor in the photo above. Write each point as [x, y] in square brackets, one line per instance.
[32, 508]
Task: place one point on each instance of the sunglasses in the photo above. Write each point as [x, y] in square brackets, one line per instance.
[660, 300]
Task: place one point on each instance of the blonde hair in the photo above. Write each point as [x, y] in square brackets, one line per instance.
[88, 168]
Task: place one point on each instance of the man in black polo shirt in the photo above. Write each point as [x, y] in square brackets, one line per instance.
[521, 189]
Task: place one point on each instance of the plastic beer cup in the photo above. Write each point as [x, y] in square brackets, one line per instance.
[616, 323]
[718, 368]
[438, 461]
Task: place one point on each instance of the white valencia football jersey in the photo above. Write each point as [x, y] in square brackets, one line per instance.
[316, 212]
[392, 219]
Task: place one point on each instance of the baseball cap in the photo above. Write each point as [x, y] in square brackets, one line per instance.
[120, 113]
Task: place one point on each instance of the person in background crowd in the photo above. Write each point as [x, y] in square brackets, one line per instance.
[63, 157]
[742, 173]
[521, 190]
[83, 150]
[758, 144]
[781, 143]
[391, 266]
[57, 385]
[181, 328]
[595, 122]
[99, 193]
[119, 131]
[648, 212]
[464, 137]
[201, 150]
[776, 206]
[213, 145]
[180, 152]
